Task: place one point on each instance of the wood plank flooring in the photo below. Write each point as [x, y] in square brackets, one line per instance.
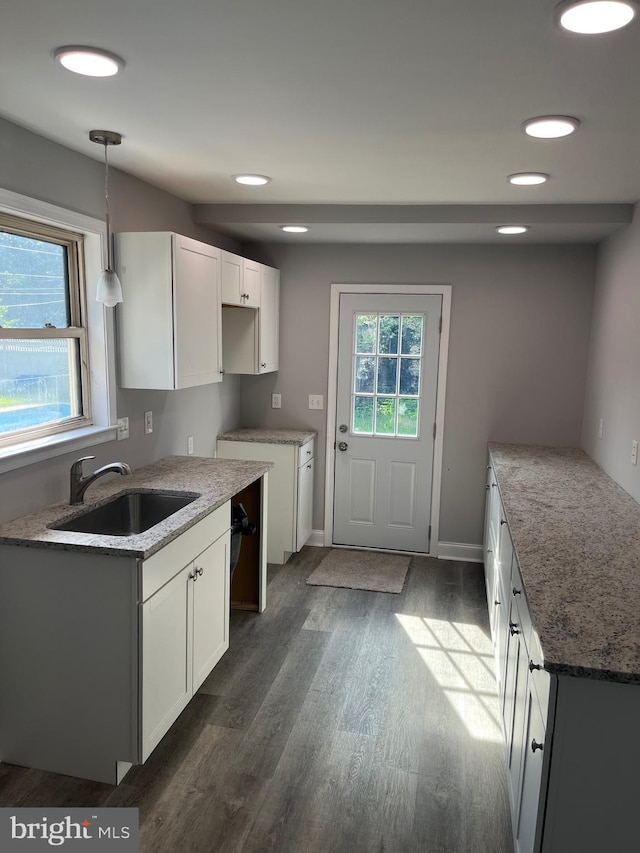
[339, 721]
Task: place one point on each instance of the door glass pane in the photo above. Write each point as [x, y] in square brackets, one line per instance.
[363, 414]
[409, 375]
[408, 417]
[33, 283]
[365, 373]
[38, 382]
[388, 338]
[387, 375]
[385, 415]
[366, 330]
[412, 334]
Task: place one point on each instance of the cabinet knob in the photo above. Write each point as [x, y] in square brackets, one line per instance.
[193, 576]
[309, 467]
[493, 485]
[513, 628]
[503, 521]
[497, 603]
[200, 572]
[487, 487]
[517, 591]
[263, 364]
[533, 666]
[535, 745]
[488, 467]
[489, 551]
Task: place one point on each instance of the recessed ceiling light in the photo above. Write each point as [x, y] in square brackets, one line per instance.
[595, 16]
[528, 179]
[550, 127]
[90, 61]
[295, 229]
[251, 180]
[512, 229]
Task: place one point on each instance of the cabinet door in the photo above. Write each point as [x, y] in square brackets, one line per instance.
[305, 503]
[210, 608]
[231, 277]
[250, 291]
[269, 319]
[533, 753]
[166, 661]
[197, 337]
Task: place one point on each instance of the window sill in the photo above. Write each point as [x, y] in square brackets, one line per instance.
[39, 449]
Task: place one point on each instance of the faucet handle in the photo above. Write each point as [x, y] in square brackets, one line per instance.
[76, 467]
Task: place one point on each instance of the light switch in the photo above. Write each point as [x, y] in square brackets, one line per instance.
[316, 401]
[148, 423]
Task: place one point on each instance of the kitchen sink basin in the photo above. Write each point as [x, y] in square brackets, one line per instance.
[127, 514]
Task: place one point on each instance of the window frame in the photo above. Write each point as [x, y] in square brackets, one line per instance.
[97, 328]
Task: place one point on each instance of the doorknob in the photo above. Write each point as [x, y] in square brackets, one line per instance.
[343, 445]
[343, 427]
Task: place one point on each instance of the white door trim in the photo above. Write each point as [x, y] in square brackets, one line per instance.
[443, 290]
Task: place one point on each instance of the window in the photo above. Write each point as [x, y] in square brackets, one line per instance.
[48, 254]
[386, 374]
[43, 337]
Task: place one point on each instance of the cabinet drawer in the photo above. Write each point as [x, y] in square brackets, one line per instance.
[306, 452]
[168, 561]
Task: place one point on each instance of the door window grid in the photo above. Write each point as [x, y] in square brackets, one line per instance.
[387, 370]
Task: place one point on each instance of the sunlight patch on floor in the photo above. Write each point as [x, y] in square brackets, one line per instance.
[460, 658]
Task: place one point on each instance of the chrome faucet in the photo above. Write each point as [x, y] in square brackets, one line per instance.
[80, 484]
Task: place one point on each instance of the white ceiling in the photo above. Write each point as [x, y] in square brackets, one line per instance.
[395, 120]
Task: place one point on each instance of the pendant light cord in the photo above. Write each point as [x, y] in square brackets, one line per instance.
[106, 199]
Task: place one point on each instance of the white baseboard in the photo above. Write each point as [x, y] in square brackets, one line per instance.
[460, 551]
[316, 540]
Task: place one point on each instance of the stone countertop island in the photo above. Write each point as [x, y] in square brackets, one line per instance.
[213, 481]
[576, 535]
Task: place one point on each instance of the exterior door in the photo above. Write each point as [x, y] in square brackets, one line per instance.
[388, 349]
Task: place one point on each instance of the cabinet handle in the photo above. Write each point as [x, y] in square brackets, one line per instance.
[535, 745]
[533, 666]
[513, 628]
[517, 591]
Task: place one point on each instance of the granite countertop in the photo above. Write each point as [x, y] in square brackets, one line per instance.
[576, 534]
[269, 436]
[214, 480]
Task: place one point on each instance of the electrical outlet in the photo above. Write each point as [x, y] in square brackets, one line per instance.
[148, 423]
[190, 445]
[276, 401]
[316, 401]
[123, 428]
[634, 452]
[601, 428]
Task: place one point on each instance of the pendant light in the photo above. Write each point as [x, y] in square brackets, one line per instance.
[109, 289]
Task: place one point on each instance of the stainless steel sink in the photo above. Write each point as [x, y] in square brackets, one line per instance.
[127, 514]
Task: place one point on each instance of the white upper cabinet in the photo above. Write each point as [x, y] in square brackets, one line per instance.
[169, 323]
[250, 338]
[240, 281]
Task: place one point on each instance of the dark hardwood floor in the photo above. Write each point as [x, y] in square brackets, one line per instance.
[339, 721]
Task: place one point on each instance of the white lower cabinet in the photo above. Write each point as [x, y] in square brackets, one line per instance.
[99, 653]
[290, 490]
[185, 632]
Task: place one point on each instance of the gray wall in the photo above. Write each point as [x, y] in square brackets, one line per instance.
[517, 356]
[613, 386]
[39, 168]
